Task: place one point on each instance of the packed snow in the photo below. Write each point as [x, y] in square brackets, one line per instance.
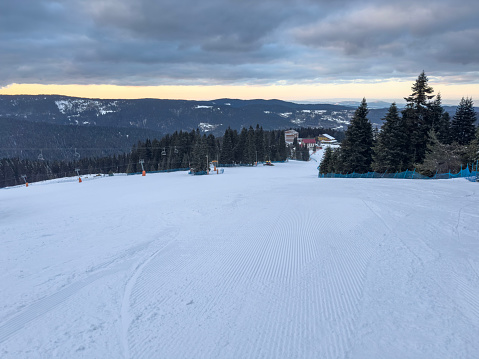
[259, 262]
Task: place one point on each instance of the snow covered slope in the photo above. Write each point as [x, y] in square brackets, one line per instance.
[264, 262]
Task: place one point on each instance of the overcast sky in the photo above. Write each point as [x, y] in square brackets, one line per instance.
[256, 43]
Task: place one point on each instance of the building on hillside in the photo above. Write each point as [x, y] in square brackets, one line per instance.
[290, 135]
[326, 139]
[308, 142]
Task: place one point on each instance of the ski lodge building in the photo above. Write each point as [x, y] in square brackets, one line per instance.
[326, 139]
[290, 135]
[308, 142]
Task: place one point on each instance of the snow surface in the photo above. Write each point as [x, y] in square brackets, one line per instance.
[206, 127]
[81, 105]
[260, 262]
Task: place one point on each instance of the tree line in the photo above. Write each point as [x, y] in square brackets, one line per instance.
[180, 150]
[422, 136]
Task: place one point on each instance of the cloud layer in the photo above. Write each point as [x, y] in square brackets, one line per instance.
[151, 42]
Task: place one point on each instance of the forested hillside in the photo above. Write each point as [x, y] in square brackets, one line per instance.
[27, 140]
[167, 116]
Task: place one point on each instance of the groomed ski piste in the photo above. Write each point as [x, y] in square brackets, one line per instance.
[259, 262]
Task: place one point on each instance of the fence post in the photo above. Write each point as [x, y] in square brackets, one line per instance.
[413, 173]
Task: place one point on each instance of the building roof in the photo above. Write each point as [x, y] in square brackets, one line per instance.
[328, 136]
[309, 140]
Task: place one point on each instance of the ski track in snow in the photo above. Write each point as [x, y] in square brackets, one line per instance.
[286, 251]
[256, 263]
[48, 303]
[125, 305]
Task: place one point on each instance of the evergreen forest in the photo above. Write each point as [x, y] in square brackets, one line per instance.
[181, 150]
[421, 137]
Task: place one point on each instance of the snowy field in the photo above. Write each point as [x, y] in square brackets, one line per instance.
[264, 262]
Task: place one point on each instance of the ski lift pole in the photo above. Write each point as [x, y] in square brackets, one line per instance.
[77, 170]
[143, 172]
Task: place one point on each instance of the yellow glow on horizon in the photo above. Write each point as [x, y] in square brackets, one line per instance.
[356, 90]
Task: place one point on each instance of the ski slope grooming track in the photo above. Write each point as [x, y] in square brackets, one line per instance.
[260, 262]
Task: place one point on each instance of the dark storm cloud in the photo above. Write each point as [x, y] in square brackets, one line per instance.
[149, 42]
[437, 35]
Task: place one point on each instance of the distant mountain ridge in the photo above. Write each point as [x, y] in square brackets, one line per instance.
[32, 122]
[167, 116]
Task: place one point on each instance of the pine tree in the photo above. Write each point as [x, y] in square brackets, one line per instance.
[259, 141]
[305, 153]
[250, 147]
[462, 127]
[473, 150]
[326, 162]
[200, 155]
[421, 93]
[440, 157]
[357, 146]
[240, 146]
[391, 148]
[440, 120]
[337, 161]
[212, 147]
[227, 155]
[273, 148]
[282, 149]
[418, 117]
[185, 162]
